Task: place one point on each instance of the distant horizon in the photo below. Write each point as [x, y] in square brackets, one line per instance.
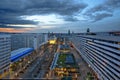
[59, 32]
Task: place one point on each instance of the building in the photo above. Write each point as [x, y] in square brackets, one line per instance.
[102, 53]
[5, 49]
[64, 65]
[64, 48]
[25, 40]
[21, 40]
[20, 59]
[39, 39]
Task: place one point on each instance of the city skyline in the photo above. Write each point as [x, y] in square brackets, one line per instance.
[39, 16]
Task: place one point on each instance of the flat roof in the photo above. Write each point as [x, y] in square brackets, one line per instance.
[103, 37]
[20, 53]
[54, 62]
[64, 46]
[66, 60]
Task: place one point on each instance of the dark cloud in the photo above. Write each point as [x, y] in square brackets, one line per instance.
[11, 10]
[104, 10]
[16, 21]
[61, 7]
[101, 16]
[70, 18]
[13, 19]
[7, 26]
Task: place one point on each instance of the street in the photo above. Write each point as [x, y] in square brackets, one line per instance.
[40, 66]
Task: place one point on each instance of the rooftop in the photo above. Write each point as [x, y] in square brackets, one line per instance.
[19, 53]
[70, 59]
[103, 37]
[66, 60]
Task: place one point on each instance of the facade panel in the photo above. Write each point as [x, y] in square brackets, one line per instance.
[5, 49]
[102, 53]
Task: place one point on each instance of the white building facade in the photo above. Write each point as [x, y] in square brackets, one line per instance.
[102, 53]
[5, 49]
[27, 40]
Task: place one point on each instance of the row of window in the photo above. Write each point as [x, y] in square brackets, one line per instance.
[101, 53]
[7, 40]
[5, 50]
[109, 49]
[3, 47]
[96, 66]
[108, 41]
[4, 63]
[2, 57]
[5, 66]
[4, 44]
[115, 46]
[106, 59]
[102, 62]
[106, 52]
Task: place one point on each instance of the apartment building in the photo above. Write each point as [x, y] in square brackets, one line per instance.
[102, 53]
[5, 49]
[25, 40]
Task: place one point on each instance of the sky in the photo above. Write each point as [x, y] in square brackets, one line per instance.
[38, 16]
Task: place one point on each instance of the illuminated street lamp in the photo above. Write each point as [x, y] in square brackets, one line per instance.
[88, 65]
[76, 75]
[28, 62]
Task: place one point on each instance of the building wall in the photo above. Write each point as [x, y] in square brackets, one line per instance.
[5, 49]
[21, 41]
[102, 55]
[24, 40]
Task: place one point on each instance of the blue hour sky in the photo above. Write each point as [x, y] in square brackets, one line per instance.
[59, 15]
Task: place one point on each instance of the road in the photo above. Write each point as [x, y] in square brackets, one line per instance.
[83, 66]
[40, 66]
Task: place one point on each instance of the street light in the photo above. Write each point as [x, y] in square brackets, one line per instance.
[88, 65]
[28, 62]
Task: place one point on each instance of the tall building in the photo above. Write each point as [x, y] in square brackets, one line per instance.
[102, 53]
[68, 32]
[25, 40]
[5, 49]
[21, 40]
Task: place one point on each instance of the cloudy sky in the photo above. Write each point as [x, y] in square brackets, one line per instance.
[59, 15]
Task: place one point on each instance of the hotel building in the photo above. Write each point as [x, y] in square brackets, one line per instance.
[102, 53]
